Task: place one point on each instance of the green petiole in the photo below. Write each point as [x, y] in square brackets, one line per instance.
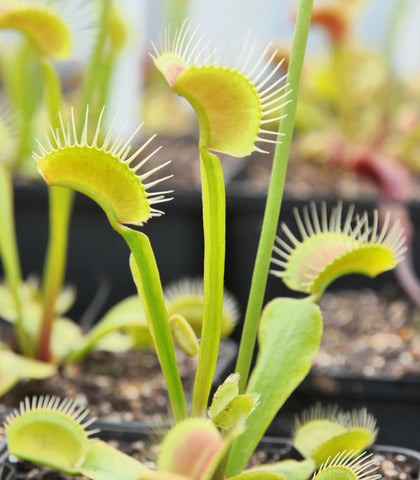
[214, 213]
[274, 198]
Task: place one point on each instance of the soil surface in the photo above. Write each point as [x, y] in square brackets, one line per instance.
[123, 387]
[114, 387]
[373, 334]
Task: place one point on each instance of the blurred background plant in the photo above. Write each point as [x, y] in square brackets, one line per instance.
[58, 58]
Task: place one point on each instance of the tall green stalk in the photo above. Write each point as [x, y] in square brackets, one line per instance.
[146, 276]
[214, 213]
[274, 198]
[9, 254]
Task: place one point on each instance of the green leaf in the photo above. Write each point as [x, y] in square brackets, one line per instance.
[290, 469]
[14, 367]
[224, 394]
[236, 411]
[114, 342]
[229, 409]
[128, 316]
[289, 336]
[104, 462]
[66, 334]
[264, 475]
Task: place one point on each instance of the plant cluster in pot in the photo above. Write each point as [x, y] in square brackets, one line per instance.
[42, 350]
[356, 140]
[214, 438]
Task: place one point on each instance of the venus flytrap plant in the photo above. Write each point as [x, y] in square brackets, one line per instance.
[232, 108]
[102, 171]
[298, 322]
[56, 433]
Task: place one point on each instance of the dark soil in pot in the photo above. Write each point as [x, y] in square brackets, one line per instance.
[370, 333]
[124, 388]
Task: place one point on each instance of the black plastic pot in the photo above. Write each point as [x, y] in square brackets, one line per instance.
[280, 447]
[97, 255]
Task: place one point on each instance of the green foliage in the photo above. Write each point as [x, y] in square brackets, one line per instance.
[104, 462]
[233, 109]
[14, 367]
[290, 469]
[289, 336]
[228, 409]
[322, 434]
[329, 250]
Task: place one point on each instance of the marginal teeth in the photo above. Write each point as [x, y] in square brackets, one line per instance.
[262, 75]
[303, 269]
[52, 403]
[67, 137]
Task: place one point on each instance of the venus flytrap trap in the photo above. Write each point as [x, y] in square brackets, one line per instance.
[330, 248]
[186, 297]
[322, 432]
[345, 120]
